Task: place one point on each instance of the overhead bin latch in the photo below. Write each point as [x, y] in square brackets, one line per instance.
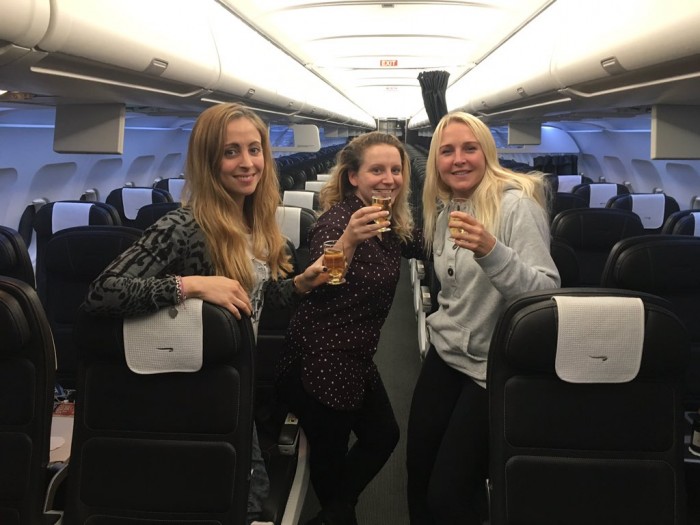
[612, 66]
[157, 67]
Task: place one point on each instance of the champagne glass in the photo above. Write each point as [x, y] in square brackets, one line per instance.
[459, 204]
[334, 260]
[382, 199]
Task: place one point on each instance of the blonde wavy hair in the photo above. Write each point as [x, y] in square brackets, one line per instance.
[216, 211]
[486, 199]
[350, 159]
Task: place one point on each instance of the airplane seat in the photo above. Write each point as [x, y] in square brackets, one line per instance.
[163, 418]
[598, 194]
[129, 200]
[426, 288]
[286, 181]
[27, 364]
[566, 262]
[56, 216]
[299, 177]
[585, 410]
[150, 213]
[73, 258]
[591, 233]
[564, 183]
[683, 222]
[173, 186]
[302, 199]
[666, 266]
[565, 201]
[653, 208]
[14, 257]
[295, 224]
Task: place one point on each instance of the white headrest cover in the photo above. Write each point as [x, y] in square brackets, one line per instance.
[134, 199]
[169, 340]
[650, 208]
[289, 221]
[175, 188]
[601, 194]
[303, 199]
[69, 214]
[567, 182]
[599, 339]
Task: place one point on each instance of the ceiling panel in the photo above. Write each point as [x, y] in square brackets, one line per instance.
[372, 52]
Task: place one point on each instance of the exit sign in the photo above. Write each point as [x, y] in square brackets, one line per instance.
[388, 63]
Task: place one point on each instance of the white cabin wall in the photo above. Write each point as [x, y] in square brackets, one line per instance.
[624, 155]
[30, 169]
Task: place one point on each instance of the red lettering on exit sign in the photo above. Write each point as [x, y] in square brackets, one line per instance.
[388, 63]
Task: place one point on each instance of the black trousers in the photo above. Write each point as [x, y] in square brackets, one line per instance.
[339, 474]
[447, 447]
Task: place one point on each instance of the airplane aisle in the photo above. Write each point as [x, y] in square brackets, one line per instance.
[384, 501]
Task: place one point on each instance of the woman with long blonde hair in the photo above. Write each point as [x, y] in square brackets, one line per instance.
[496, 250]
[328, 375]
[222, 246]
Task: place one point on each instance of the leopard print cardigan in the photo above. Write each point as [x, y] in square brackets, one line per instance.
[142, 279]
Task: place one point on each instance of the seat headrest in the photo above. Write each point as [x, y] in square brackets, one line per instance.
[599, 339]
[13, 325]
[289, 221]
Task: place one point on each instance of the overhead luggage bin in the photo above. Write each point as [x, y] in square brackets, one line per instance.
[22, 25]
[627, 45]
[251, 67]
[515, 73]
[156, 39]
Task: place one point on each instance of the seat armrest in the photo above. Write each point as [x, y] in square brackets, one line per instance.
[289, 435]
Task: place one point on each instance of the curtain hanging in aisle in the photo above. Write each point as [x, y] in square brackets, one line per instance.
[433, 85]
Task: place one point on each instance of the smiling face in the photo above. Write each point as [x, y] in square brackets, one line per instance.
[460, 159]
[243, 162]
[380, 169]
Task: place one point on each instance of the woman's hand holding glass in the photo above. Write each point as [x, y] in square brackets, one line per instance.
[469, 233]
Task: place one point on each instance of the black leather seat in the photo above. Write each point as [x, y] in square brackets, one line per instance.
[667, 266]
[684, 222]
[667, 206]
[565, 201]
[150, 213]
[26, 403]
[591, 233]
[166, 448]
[14, 257]
[74, 257]
[56, 216]
[609, 453]
[127, 201]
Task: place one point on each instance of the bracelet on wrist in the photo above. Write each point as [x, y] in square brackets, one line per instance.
[179, 290]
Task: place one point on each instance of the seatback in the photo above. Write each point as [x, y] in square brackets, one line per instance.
[684, 222]
[129, 200]
[162, 448]
[585, 452]
[56, 216]
[26, 403]
[565, 201]
[667, 266]
[598, 194]
[565, 259]
[74, 257]
[150, 213]
[295, 224]
[653, 208]
[173, 186]
[14, 257]
[592, 232]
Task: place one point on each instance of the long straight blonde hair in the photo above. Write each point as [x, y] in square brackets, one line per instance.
[217, 212]
[486, 199]
[349, 159]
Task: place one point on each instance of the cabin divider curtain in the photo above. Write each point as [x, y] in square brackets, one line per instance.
[433, 85]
